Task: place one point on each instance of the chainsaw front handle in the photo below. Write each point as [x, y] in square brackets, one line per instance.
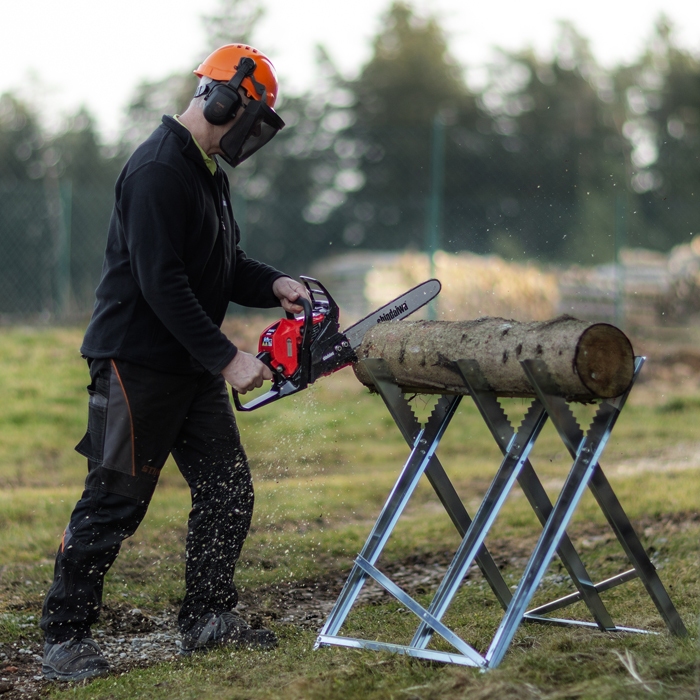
[286, 388]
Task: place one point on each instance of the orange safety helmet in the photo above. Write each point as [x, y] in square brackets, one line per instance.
[222, 64]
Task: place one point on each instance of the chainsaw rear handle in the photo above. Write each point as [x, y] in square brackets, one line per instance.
[281, 385]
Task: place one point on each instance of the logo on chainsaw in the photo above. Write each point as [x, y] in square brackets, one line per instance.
[393, 313]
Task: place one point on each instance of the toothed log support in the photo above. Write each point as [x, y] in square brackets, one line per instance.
[587, 361]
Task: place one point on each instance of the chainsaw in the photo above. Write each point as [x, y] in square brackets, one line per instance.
[300, 349]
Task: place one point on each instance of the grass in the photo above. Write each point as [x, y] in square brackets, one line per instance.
[323, 462]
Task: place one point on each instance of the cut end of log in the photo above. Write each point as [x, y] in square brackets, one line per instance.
[605, 360]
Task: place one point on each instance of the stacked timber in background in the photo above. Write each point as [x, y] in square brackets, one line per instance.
[635, 291]
[587, 361]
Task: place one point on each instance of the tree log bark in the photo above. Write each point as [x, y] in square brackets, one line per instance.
[587, 360]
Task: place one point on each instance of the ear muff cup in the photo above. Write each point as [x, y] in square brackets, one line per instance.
[221, 104]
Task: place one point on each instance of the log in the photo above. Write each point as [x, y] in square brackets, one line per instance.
[586, 360]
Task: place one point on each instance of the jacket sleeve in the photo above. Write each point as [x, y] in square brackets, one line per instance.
[155, 216]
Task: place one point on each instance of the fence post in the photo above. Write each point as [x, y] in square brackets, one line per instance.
[65, 196]
[434, 213]
[620, 231]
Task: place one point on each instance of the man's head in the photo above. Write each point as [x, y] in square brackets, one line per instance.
[238, 85]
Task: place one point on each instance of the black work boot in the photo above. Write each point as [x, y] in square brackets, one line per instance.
[73, 660]
[227, 629]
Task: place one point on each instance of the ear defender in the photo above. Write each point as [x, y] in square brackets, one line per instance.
[224, 100]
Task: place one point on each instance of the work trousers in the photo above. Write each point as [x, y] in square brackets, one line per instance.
[137, 416]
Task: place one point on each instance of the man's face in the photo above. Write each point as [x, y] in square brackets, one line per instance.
[245, 99]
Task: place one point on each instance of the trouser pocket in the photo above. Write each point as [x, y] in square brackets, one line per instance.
[109, 440]
[92, 444]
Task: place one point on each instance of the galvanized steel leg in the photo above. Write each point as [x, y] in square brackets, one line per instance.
[424, 446]
[572, 436]
[518, 449]
[500, 428]
[406, 421]
[587, 455]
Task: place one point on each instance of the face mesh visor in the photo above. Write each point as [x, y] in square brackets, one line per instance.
[252, 130]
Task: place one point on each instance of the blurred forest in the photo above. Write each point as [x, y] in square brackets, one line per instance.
[558, 161]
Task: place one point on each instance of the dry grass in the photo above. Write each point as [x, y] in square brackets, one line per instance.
[472, 286]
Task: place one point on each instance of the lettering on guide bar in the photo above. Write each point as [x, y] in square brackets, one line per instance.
[393, 313]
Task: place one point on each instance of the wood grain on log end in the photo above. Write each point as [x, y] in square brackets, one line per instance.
[605, 360]
[586, 360]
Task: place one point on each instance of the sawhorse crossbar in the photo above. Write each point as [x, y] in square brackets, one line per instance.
[516, 446]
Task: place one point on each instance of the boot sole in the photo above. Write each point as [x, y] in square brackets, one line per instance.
[51, 674]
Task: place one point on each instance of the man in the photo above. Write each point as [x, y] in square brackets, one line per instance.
[159, 364]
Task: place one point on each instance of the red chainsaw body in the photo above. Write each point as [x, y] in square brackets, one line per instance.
[283, 341]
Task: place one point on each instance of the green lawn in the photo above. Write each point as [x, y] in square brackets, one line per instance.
[323, 462]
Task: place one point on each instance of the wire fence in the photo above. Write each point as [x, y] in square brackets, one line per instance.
[52, 239]
[385, 190]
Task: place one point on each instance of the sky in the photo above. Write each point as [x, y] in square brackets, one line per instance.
[62, 55]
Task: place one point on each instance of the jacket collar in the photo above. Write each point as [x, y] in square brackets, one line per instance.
[189, 145]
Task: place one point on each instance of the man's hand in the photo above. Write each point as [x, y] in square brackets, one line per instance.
[288, 291]
[246, 372]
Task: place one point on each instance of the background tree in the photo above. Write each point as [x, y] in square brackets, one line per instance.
[26, 241]
[232, 21]
[56, 195]
[21, 142]
[151, 100]
[410, 80]
[537, 163]
[86, 172]
[561, 157]
[662, 124]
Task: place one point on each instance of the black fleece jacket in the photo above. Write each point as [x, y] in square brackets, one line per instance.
[172, 262]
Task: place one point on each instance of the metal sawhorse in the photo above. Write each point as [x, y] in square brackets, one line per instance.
[516, 445]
